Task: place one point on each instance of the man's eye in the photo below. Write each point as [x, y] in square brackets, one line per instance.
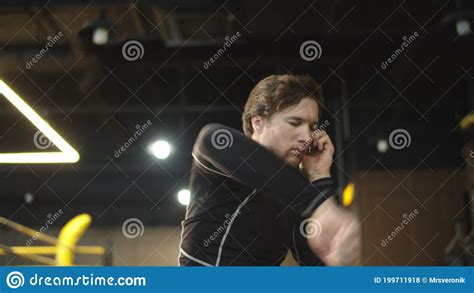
[294, 123]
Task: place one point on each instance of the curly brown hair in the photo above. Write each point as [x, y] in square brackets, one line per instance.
[276, 92]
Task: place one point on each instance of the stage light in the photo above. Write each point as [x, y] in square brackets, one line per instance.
[100, 36]
[382, 146]
[67, 153]
[463, 27]
[97, 32]
[161, 149]
[184, 196]
[460, 20]
[28, 197]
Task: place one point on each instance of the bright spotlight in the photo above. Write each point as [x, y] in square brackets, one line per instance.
[100, 36]
[382, 146]
[161, 149]
[184, 196]
[463, 27]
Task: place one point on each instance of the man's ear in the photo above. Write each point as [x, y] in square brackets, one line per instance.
[257, 123]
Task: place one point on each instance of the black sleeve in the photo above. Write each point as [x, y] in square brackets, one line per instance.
[230, 153]
[300, 249]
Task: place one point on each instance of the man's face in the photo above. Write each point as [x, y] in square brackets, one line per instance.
[286, 132]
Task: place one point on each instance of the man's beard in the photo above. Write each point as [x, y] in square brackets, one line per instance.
[290, 159]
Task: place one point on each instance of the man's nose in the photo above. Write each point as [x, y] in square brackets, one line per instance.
[306, 136]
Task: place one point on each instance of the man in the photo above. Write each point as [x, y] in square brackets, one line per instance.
[259, 194]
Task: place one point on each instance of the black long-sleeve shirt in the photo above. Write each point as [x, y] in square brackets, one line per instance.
[247, 205]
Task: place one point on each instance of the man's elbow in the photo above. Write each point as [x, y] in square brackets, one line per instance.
[204, 140]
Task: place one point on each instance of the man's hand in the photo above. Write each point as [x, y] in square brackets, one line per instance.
[339, 240]
[317, 163]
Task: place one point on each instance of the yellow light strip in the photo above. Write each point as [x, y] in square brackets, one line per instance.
[24, 250]
[67, 154]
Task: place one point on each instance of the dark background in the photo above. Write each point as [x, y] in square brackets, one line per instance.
[94, 97]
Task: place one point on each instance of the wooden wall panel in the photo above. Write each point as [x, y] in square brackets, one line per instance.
[385, 199]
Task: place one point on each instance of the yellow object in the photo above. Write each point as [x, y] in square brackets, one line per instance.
[68, 237]
[64, 246]
[51, 250]
[67, 154]
[36, 258]
[348, 194]
[28, 231]
[467, 121]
